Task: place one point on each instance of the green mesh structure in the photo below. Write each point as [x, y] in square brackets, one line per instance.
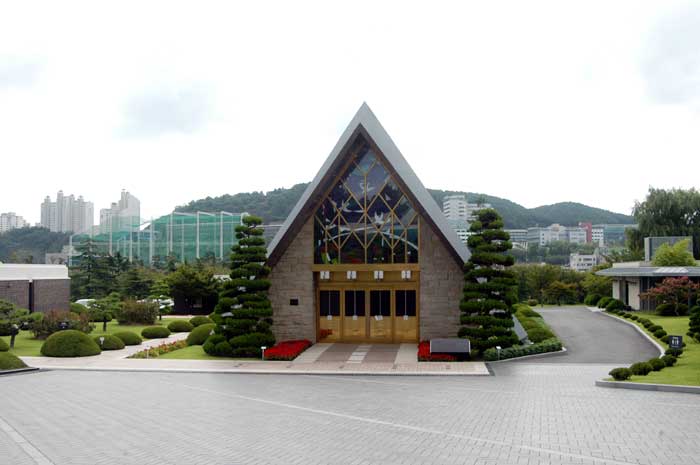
[183, 236]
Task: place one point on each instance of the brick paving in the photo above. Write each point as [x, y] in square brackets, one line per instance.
[525, 414]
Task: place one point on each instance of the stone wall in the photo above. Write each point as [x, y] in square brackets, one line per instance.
[16, 292]
[441, 282]
[51, 294]
[292, 278]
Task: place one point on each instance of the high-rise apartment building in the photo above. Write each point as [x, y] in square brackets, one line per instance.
[11, 220]
[124, 215]
[67, 214]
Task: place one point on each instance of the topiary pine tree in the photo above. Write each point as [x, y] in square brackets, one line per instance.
[490, 288]
[243, 315]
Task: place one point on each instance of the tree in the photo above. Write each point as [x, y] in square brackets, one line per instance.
[674, 212]
[489, 288]
[160, 291]
[674, 255]
[243, 315]
[135, 283]
[673, 291]
[192, 284]
[93, 276]
[600, 285]
[539, 277]
[558, 291]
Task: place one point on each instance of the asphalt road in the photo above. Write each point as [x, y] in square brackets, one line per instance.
[591, 337]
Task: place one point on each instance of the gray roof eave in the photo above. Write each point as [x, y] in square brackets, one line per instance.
[651, 272]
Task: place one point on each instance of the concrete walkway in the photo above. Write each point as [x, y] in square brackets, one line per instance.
[331, 359]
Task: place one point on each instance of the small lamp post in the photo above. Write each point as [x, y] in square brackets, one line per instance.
[498, 349]
[263, 351]
[102, 341]
[104, 322]
[14, 329]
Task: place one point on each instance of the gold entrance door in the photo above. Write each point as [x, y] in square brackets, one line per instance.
[380, 311]
[354, 315]
[406, 315]
[329, 316]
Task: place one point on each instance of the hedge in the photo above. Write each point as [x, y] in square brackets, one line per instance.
[69, 343]
[659, 333]
[620, 374]
[217, 345]
[129, 338]
[614, 304]
[155, 332]
[550, 345]
[592, 300]
[180, 326]
[641, 368]
[200, 320]
[110, 342]
[669, 360]
[532, 302]
[10, 362]
[657, 364]
[604, 301]
[199, 335]
[539, 334]
[4, 346]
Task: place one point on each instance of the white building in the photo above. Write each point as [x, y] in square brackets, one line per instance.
[461, 227]
[67, 214]
[456, 207]
[124, 215]
[11, 220]
[576, 235]
[582, 262]
[556, 233]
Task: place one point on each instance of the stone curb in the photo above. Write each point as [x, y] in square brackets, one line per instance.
[542, 355]
[648, 386]
[661, 350]
[269, 372]
[17, 371]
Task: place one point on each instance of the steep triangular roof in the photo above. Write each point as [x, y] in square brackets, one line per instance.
[364, 122]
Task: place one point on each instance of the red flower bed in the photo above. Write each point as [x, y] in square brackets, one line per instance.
[424, 354]
[287, 350]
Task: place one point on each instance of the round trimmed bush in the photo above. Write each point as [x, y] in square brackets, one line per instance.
[664, 339]
[604, 301]
[657, 364]
[155, 332]
[614, 304]
[200, 320]
[627, 315]
[218, 346]
[666, 310]
[653, 328]
[675, 352]
[180, 326]
[592, 300]
[10, 362]
[199, 335]
[682, 309]
[647, 323]
[659, 333]
[669, 360]
[620, 374]
[4, 346]
[641, 368]
[129, 338]
[110, 342]
[539, 334]
[634, 317]
[532, 302]
[69, 343]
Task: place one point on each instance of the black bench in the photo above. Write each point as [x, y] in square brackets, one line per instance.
[457, 347]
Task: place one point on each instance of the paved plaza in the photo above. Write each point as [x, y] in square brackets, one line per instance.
[528, 412]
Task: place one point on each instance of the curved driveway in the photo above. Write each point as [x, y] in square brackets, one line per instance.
[591, 337]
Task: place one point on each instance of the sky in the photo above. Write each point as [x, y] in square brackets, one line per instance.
[537, 102]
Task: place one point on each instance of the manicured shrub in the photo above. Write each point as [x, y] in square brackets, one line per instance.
[532, 302]
[110, 342]
[657, 364]
[626, 315]
[133, 312]
[4, 346]
[641, 368]
[675, 352]
[287, 350]
[217, 345]
[526, 311]
[653, 328]
[539, 334]
[180, 326]
[592, 300]
[77, 308]
[646, 323]
[664, 339]
[155, 332]
[659, 333]
[682, 309]
[129, 338]
[69, 343]
[614, 304]
[669, 360]
[620, 374]
[634, 317]
[248, 345]
[10, 362]
[200, 320]
[550, 345]
[199, 335]
[604, 301]
[694, 322]
[55, 320]
[666, 310]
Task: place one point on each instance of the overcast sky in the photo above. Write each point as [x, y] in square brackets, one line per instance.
[537, 102]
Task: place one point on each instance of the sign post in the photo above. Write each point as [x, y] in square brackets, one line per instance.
[675, 342]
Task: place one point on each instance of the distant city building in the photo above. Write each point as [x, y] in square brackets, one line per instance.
[588, 227]
[461, 227]
[517, 235]
[456, 207]
[556, 233]
[583, 262]
[597, 235]
[124, 215]
[11, 220]
[67, 214]
[610, 234]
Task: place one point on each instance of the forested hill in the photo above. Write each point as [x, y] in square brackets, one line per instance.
[274, 206]
[29, 245]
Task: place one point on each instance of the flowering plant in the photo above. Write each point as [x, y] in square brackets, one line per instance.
[154, 352]
[424, 354]
[287, 350]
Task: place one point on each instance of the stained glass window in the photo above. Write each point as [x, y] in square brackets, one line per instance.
[365, 218]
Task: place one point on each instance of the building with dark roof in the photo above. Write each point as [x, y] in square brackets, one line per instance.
[366, 255]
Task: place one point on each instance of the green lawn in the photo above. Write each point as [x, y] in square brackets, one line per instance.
[687, 369]
[26, 345]
[196, 353]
